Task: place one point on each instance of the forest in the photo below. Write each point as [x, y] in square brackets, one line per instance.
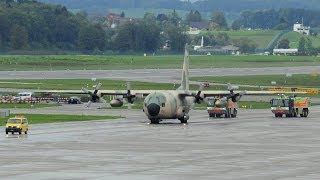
[29, 25]
[202, 6]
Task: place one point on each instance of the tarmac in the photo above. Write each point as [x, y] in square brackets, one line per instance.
[255, 145]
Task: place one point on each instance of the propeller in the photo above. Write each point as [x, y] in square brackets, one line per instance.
[234, 97]
[94, 95]
[197, 97]
[130, 97]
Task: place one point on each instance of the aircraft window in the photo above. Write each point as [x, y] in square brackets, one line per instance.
[163, 104]
[158, 99]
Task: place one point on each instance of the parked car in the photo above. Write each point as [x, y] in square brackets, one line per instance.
[74, 100]
[22, 96]
[205, 84]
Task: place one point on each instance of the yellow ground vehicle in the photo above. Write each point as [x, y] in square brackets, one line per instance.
[290, 106]
[17, 124]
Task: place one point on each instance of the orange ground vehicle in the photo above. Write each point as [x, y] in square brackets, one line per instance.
[217, 107]
[290, 106]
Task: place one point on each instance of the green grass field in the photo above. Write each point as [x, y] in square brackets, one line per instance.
[78, 62]
[25, 105]
[44, 118]
[294, 38]
[259, 37]
[296, 80]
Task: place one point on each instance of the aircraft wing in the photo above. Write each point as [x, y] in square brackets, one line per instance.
[120, 92]
[102, 92]
[225, 93]
[143, 93]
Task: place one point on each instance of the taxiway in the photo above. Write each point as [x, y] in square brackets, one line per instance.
[255, 145]
[153, 75]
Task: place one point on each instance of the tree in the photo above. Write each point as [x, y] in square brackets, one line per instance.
[301, 46]
[219, 18]
[284, 43]
[149, 17]
[4, 27]
[174, 18]
[236, 25]
[193, 16]
[18, 37]
[122, 14]
[245, 45]
[177, 38]
[92, 37]
[222, 39]
[162, 17]
[310, 50]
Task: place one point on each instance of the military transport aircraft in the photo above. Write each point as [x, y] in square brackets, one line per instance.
[165, 104]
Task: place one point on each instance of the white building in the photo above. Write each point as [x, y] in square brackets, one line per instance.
[285, 51]
[300, 28]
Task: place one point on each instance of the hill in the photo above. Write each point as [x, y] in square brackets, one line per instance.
[259, 37]
[102, 6]
[294, 38]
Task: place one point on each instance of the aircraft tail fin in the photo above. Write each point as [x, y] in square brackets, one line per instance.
[185, 71]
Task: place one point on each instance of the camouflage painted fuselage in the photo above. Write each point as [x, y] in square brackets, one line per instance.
[168, 105]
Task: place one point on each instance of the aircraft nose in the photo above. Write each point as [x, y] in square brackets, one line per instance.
[153, 109]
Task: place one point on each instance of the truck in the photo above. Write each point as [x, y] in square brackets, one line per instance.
[290, 106]
[218, 107]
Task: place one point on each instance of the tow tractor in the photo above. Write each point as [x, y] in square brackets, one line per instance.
[217, 107]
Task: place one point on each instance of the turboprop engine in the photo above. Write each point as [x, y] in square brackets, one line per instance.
[116, 103]
[221, 102]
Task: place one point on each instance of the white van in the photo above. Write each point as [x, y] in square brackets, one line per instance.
[23, 96]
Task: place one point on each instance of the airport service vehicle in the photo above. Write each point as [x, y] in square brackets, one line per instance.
[17, 124]
[290, 106]
[218, 107]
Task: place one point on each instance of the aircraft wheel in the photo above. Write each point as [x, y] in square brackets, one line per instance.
[183, 121]
[154, 121]
[234, 113]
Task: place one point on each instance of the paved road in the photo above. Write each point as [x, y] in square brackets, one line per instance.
[152, 75]
[253, 146]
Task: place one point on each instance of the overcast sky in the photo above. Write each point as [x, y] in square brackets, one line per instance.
[190, 0]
